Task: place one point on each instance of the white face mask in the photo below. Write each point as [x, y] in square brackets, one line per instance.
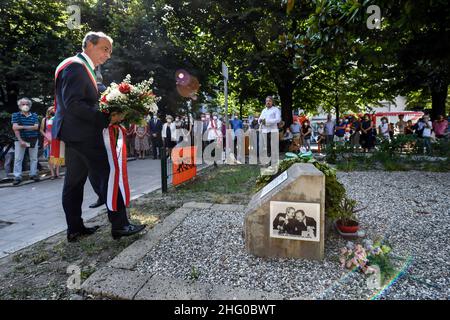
[207, 116]
[25, 108]
[169, 120]
[215, 117]
[155, 117]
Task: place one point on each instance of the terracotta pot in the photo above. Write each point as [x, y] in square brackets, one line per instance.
[351, 227]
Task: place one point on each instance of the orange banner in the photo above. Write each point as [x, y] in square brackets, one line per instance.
[184, 165]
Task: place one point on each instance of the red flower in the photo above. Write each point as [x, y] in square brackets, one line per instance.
[104, 100]
[124, 88]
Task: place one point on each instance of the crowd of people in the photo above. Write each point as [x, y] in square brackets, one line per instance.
[362, 132]
[144, 139]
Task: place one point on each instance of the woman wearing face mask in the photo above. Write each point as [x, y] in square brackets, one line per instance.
[340, 131]
[141, 144]
[179, 127]
[169, 134]
[383, 128]
[306, 135]
[214, 129]
[46, 131]
[366, 133]
[215, 133]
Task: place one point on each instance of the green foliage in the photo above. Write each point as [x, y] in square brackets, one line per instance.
[347, 165]
[381, 257]
[36, 38]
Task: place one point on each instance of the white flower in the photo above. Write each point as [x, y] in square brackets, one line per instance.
[115, 94]
[152, 107]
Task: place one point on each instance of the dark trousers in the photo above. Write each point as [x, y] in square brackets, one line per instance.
[83, 159]
[156, 144]
[267, 139]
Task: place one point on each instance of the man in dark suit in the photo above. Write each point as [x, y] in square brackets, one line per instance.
[155, 125]
[79, 123]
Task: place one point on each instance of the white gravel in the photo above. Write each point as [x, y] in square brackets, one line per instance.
[410, 209]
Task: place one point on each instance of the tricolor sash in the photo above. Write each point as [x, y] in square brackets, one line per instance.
[114, 139]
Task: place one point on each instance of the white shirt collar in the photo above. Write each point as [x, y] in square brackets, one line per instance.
[91, 64]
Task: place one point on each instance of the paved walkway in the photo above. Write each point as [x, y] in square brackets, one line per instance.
[36, 209]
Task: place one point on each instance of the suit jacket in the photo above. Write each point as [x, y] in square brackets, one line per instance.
[155, 128]
[77, 117]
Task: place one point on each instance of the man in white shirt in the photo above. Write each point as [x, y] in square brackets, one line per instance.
[269, 119]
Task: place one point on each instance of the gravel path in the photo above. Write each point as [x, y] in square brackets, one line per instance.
[411, 210]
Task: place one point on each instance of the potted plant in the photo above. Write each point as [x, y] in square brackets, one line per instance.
[346, 220]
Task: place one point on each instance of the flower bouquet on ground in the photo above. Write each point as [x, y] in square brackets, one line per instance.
[132, 101]
[368, 258]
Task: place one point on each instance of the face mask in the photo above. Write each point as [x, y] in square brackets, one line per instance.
[169, 120]
[155, 117]
[25, 108]
[207, 116]
[203, 119]
[215, 117]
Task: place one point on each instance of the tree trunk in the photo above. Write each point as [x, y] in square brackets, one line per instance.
[336, 107]
[336, 97]
[286, 96]
[2, 97]
[438, 99]
[12, 92]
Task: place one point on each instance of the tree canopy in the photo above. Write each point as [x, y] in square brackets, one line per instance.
[309, 54]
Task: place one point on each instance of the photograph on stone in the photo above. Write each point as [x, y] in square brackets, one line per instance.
[295, 220]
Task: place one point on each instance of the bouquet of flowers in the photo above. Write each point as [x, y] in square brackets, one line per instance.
[365, 257]
[133, 101]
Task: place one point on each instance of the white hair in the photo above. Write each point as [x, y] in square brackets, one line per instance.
[24, 99]
[93, 37]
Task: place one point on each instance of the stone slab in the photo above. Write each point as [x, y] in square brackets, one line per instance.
[305, 183]
[197, 205]
[164, 288]
[130, 256]
[115, 283]
[228, 207]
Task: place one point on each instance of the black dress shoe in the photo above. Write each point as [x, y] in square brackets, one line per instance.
[74, 237]
[127, 231]
[97, 204]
